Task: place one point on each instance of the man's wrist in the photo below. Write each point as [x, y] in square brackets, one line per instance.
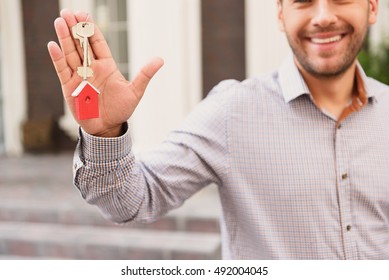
[113, 132]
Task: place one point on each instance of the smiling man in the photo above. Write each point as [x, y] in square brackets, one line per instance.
[301, 155]
[326, 37]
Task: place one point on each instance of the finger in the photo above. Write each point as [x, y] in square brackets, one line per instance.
[67, 43]
[61, 67]
[142, 79]
[71, 21]
[98, 44]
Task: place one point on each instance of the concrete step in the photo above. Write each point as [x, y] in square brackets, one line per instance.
[16, 257]
[48, 241]
[193, 216]
[42, 216]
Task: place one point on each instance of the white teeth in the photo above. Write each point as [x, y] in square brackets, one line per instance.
[326, 40]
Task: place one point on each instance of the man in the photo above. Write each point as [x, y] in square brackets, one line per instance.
[301, 156]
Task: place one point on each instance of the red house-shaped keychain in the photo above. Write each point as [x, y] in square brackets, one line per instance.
[86, 98]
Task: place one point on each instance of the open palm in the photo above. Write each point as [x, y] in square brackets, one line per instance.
[118, 98]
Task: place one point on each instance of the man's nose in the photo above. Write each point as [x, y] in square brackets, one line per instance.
[324, 13]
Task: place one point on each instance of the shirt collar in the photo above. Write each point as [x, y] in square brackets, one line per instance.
[291, 81]
[366, 82]
[293, 84]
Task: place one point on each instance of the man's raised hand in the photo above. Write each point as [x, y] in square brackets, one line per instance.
[119, 97]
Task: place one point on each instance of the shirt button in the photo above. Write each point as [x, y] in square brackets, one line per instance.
[344, 176]
[348, 227]
[339, 126]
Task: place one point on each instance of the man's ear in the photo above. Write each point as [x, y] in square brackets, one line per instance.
[373, 11]
[280, 16]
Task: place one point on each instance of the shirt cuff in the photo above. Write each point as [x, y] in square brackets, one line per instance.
[101, 149]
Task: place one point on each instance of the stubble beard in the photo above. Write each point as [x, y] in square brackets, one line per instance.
[346, 60]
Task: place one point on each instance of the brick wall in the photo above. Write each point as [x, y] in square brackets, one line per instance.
[44, 91]
[44, 96]
[223, 41]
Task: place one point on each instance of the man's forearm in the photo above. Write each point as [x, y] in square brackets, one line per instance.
[103, 173]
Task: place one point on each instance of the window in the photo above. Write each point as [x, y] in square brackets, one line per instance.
[111, 16]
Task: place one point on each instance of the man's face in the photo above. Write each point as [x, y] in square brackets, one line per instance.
[326, 35]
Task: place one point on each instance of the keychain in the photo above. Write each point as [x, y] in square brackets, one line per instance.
[86, 96]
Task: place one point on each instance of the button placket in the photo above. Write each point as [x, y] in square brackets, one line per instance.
[344, 188]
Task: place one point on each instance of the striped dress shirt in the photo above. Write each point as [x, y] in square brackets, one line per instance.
[294, 182]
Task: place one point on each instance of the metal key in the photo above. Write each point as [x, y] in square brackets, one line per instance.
[82, 31]
[77, 37]
[85, 30]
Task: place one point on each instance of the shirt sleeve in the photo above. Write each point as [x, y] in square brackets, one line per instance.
[143, 189]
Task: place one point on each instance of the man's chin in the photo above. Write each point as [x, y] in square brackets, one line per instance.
[325, 68]
[327, 73]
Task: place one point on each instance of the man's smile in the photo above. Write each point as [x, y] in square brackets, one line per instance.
[317, 40]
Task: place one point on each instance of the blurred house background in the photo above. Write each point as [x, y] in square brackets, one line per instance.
[202, 43]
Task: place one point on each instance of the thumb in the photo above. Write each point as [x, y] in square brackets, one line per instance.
[142, 79]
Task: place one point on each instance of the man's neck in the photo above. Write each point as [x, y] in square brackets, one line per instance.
[332, 94]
